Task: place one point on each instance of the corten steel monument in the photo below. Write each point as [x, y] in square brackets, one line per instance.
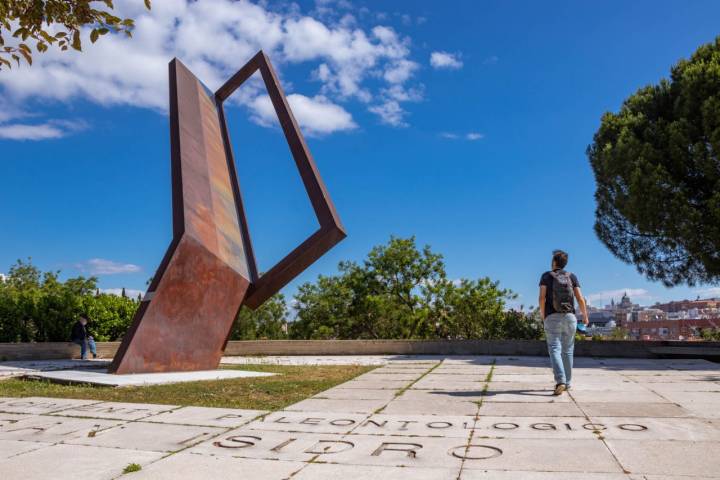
[209, 270]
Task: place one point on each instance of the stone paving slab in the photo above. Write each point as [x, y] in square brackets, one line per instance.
[10, 418]
[114, 410]
[421, 418]
[644, 428]
[523, 395]
[432, 452]
[563, 428]
[685, 397]
[634, 409]
[309, 422]
[540, 454]
[209, 417]
[614, 396]
[458, 426]
[363, 472]
[667, 457]
[358, 394]
[52, 429]
[204, 467]
[438, 382]
[390, 376]
[30, 405]
[73, 462]
[148, 437]
[434, 402]
[476, 474]
[519, 409]
[684, 386]
[332, 405]
[703, 410]
[11, 448]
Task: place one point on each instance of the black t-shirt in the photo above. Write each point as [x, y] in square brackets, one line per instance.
[547, 280]
[79, 332]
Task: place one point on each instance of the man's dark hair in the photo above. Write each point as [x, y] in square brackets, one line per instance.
[560, 258]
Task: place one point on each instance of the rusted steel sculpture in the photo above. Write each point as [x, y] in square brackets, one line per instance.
[209, 270]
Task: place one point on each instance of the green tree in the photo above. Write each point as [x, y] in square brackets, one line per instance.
[110, 315]
[392, 294]
[710, 334]
[657, 171]
[267, 322]
[400, 291]
[38, 307]
[54, 22]
[475, 309]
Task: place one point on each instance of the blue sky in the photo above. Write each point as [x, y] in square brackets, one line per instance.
[463, 123]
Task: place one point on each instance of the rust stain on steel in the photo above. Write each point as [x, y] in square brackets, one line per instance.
[209, 270]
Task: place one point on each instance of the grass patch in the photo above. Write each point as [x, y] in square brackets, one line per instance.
[133, 467]
[294, 383]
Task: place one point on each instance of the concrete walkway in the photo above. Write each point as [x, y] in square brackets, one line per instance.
[413, 418]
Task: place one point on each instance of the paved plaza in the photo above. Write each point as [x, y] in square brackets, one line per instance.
[421, 418]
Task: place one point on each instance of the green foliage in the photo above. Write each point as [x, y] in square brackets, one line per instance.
[38, 307]
[710, 334]
[267, 322]
[54, 22]
[132, 467]
[619, 334]
[657, 169]
[400, 291]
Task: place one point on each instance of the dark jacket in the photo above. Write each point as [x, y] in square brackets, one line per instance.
[79, 332]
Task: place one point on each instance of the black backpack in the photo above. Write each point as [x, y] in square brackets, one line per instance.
[563, 300]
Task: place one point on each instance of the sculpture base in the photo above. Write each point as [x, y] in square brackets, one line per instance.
[102, 378]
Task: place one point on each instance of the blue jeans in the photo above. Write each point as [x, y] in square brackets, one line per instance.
[89, 342]
[560, 335]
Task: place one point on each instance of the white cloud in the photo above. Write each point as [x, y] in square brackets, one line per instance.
[21, 131]
[400, 71]
[607, 295]
[491, 60]
[445, 60]
[41, 131]
[129, 292]
[390, 113]
[471, 136]
[100, 266]
[709, 292]
[214, 38]
[403, 94]
[318, 115]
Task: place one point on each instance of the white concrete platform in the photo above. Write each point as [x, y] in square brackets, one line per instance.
[101, 378]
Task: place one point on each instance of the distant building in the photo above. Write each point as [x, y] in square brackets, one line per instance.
[600, 318]
[712, 304]
[648, 315]
[677, 320]
[689, 329]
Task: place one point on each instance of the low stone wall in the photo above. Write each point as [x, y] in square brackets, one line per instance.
[606, 348]
[51, 350]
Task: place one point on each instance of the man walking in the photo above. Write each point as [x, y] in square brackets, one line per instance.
[558, 291]
[81, 336]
